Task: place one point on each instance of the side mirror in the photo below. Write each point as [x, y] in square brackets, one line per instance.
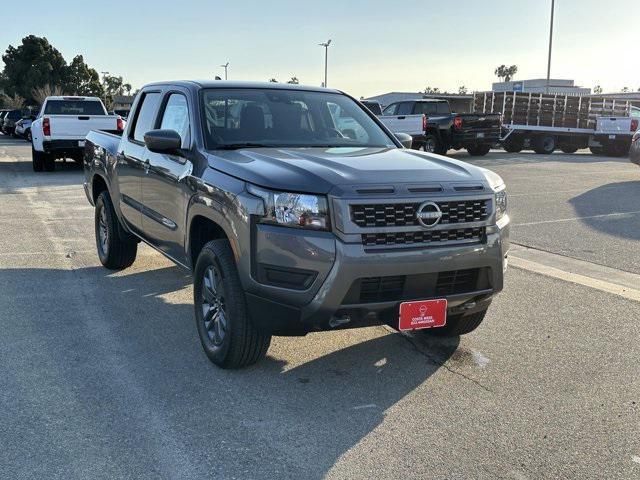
[405, 139]
[163, 141]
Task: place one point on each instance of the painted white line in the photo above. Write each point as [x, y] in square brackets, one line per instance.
[368, 405]
[573, 219]
[602, 285]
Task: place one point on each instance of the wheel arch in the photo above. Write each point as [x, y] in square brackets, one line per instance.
[203, 225]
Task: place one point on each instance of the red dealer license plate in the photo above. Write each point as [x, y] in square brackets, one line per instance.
[423, 314]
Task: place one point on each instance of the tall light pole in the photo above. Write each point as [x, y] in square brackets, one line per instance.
[225, 66]
[550, 46]
[104, 76]
[326, 55]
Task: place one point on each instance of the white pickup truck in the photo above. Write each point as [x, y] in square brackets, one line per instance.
[613, 134]
[60, 129]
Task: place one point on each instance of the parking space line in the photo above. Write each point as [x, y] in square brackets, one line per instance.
[573, 219]
[622, 289]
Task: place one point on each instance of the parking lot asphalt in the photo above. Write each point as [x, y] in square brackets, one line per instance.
[102, 373]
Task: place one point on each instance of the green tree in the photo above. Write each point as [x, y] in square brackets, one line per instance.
[462, 90]
[82, 79]
[113, 86]
[428, 90]
[294, 81]
[625, 89]
[273, 80]
[597, 89]
[506, 73]
[33, 64]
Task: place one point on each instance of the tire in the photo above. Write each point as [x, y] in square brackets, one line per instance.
[478, 150]
[597, 150]
[37, 160]
[229, 340]
[616, 150]
[458, 325]
[432, 144]
[49, 162]
[569, 149]
[115, 250]
[513, 145]
[545, 144]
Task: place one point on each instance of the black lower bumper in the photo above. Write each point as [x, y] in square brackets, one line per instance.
[70, 147]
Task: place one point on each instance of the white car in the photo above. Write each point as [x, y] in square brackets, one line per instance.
[23, 127]
[62, 126]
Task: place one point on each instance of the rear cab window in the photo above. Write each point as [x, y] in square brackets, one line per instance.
[74, 107]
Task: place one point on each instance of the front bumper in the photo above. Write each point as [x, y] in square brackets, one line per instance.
[328, 303]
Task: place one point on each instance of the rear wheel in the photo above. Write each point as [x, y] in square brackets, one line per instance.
[226, 331]
[513, 145]
[37, 160]
[569, 148]
[458, 325]
[545, 144]
[478, 150]
[617, 150]
[115, 250]
[431, 144]
[597, 150]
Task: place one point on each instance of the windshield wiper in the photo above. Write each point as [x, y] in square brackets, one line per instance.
[237, 146]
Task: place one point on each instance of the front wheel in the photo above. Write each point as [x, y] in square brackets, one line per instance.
[458, 325]
[226, 331]
[478, 150]
[114, 249]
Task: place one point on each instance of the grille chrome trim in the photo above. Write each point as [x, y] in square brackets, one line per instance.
[385, 215]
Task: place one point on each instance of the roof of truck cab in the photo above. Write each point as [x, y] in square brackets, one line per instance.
[240, 84]
[72, 97]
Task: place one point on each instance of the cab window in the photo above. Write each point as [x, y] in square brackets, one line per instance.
[176, 117]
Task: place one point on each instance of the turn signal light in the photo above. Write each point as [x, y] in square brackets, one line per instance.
[634, 124]
[46, 127]
[424, 123]
[457, 123]
[120, 124]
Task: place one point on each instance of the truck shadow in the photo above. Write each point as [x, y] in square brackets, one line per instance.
[613, 209]
[121, 353]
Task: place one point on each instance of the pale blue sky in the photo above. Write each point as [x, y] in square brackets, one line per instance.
[378, 46]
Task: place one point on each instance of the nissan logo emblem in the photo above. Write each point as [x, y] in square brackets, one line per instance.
[428, 214]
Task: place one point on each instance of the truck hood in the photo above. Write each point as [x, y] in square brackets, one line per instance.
[318, 170]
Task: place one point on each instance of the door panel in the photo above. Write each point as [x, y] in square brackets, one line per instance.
[129, 171]
[165, 196]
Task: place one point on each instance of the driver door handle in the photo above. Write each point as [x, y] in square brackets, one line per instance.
[145, 166]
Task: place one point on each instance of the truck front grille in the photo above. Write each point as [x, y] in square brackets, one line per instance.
[415, 287]
[404, 214]
[424, 237]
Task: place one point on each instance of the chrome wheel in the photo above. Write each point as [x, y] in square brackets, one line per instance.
[429, 146]
[214, 312]
[103, 231]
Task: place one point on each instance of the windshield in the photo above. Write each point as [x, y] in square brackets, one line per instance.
[236, 118]
[74, 107]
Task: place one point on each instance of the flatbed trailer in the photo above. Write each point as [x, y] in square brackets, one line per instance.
[544, 122]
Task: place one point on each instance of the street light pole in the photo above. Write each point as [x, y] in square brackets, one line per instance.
[104, 76]
[326, 57]
[225, 66]
[550, 45]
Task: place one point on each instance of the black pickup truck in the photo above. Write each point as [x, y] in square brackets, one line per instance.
[290, 225]
[436, 129]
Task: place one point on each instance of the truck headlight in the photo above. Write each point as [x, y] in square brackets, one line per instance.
[289, 209]
[497, 185]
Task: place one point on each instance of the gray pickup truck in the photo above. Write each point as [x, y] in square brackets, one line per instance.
[289, 225]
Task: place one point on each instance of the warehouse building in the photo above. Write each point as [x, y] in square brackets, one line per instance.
[539, 85]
